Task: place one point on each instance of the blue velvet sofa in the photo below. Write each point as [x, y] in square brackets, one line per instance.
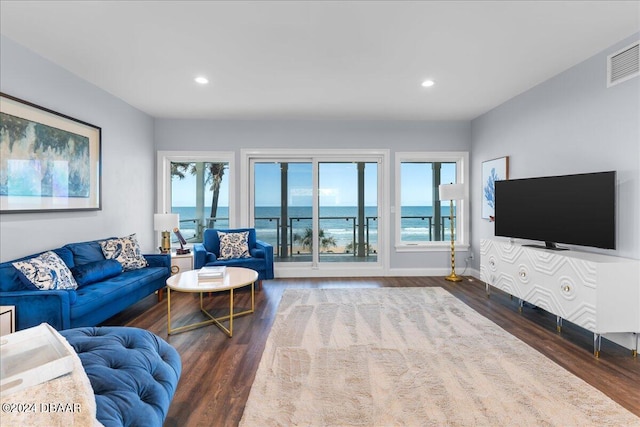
[107, 292]
[133, 373]
[260, 253]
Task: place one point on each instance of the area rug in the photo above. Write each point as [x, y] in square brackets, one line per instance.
[410, 357]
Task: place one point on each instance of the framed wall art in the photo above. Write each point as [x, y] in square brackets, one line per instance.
[49, 162]
[492, 171]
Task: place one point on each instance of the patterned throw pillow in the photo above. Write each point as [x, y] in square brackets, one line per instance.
[234, 245]
[126, 251]
[47, 271]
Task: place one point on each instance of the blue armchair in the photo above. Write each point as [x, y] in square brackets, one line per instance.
[208, 253]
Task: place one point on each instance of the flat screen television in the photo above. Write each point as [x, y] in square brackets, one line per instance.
[571, 209]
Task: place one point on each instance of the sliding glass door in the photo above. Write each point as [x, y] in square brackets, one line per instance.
[282, 210]
[348, 211]
[316, 211]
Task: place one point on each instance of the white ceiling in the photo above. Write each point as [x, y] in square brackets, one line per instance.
[318, 59]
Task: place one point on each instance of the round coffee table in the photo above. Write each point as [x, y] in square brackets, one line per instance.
[235, 277]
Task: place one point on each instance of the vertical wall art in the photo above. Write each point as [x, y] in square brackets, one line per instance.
[492, 171]
[49, 161]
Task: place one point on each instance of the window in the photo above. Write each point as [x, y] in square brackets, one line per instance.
[197, 187]
[422, 220]
[282, 208]
[348, 211]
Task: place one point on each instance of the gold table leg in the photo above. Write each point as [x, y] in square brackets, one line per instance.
[212, 320]
[218, 320]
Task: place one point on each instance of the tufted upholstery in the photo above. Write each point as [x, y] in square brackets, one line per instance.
[134, 373]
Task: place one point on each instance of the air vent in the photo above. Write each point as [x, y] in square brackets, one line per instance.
[623, 64]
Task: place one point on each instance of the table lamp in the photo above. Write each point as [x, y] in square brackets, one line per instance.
[165, 223]
[452, 192]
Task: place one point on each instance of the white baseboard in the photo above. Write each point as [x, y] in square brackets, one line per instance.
[294, 271]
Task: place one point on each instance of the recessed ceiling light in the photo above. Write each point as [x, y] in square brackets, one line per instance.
[428, 83]
[201, 80]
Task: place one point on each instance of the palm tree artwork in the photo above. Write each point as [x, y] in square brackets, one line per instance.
[47, 161]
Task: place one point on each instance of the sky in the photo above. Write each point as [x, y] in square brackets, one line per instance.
[338, 185]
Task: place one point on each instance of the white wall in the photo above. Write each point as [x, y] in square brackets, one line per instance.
[572, 123]
[234, 135]
[128, 162]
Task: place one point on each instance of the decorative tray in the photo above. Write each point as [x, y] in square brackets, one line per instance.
[32, 356]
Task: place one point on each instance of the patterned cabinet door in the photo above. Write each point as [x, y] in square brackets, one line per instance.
[600, 293]
[563, 285]
[500, 266]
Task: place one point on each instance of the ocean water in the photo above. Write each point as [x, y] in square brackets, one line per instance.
[336, 221]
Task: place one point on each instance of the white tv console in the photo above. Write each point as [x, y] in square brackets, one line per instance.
[600, 293]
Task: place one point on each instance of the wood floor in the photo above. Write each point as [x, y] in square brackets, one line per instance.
[217, 371]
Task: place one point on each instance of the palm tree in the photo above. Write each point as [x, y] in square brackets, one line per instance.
[306, 240]
[352, 248]
[213, 177]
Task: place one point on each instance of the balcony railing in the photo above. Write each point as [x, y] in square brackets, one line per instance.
[192, 229]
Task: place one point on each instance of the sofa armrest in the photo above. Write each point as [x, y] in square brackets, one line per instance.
[158, 260]
[36, 307]
[199, 255]
[268, 255]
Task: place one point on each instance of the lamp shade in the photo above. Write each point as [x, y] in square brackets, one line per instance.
[451, 191]
[165, 222]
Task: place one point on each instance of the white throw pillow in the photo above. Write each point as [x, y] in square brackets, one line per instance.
[126, 251]
[234, 245]
[47, 271]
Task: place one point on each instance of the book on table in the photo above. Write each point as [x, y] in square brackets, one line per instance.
[211, 273]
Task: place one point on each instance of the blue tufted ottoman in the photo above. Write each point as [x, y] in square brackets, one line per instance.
[133, 372]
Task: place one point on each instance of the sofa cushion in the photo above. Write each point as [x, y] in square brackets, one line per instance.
[127, 287]
[126, 251]
[46, 271]
[234, 245]
[85, 252]
[96, 271]
[256, 264]
[65, 255]
[11, 280]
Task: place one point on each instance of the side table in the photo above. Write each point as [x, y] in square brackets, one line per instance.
[7, 319]
[181, 263]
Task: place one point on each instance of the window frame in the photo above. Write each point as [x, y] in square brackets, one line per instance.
[315, 156]
[461, 159]
[164, 160]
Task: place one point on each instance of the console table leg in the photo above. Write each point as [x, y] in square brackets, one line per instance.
[521, 305]
[635, 350]
[559, 324]
[597, 340]
[486, 289]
